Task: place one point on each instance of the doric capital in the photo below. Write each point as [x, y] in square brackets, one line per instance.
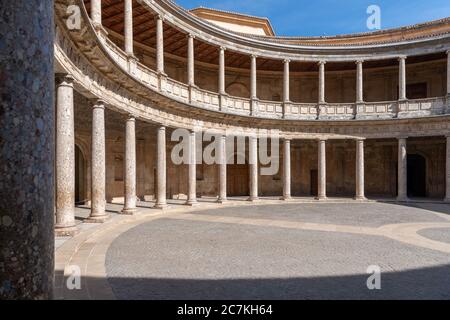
[254, 56]
[159, 17]
[223, 49]
[321, 62]
[190, 36]
[448, 52]
[64, 79]
[402, 137]
[286, 61]
[402, 58]
[131, 118]
[98, 103]
[359, 61]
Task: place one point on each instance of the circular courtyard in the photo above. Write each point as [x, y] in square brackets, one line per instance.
[284, 251]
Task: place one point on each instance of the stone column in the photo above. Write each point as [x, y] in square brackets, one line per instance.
[222, 71]
[159, 45]
[65, 158]
[360, 170]
[322, 170]
[359, 82]
[96, 12]
[448, 74]
[286, 169]
[447, 170]
[402, 78]
[98, 165]
[161, 201]
[222, 169]
[402, 170]
[322, 82]
[286, 93]
[191, 63]
[192, 190]
[253, 79]
[128, 27]
[130, 166]
[253, 164]
[27, 150]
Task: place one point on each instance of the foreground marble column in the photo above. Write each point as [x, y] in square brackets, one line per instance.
[159, 45]
[402, 78]
[130, 167]
[161, 201]
[322, 170]
[96, 12]
[402, 170]
[359, 82]
[191, 61]
[322, 82]
[253, 164]
[192, 183]
[286, 93]
[65, 157]
[128, 25]
[222, 71]
[360, 170]
[447, 170]
[27, 151]
[98, 165]
[286, 169]
[253, 79]
[222, 169]
[448, 74]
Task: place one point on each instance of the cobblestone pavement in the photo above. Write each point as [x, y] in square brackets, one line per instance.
[290, 251]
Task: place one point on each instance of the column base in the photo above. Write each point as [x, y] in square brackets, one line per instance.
[128, 212]
[360, 198]
[286, 198]
[321, 198]
[191, 203]
[97, 218]
[221, 201]
[66, 231]
[402, 199]
[161, 206]
[447, 200]
[253, 199]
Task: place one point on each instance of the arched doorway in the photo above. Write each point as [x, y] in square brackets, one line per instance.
[80, 174]
[417, 174]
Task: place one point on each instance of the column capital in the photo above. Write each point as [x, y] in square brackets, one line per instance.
[360, 139]
[98, 103]
[287, 139]
[321, 62]
[159, 17]
[359, 61]
[223, 49]
[190, 36]
[286, 61]
[322, 139]
[254, 56]
[401, 58]
[131, 117]
[64, 79]
[402, 137]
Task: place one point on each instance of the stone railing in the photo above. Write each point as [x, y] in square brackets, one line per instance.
[270, 109]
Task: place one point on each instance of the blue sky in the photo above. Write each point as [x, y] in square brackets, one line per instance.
[329, 17]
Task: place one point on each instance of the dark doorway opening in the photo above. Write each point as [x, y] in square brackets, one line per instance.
[237, 180]
[417, 176]
[80, 174]
[314, 183]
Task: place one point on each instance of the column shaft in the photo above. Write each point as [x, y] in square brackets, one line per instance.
[222, 71]
[192, 190]
[360, 195]
[322, 171]
[65, 158]
[130, 166]
[96, 12]
[159, 45]
[447, 170]
[322, 82]
[161, 201]
[98, 164]
[286, 93]
[253, 163]
[402, 78]
[128, 25]
[253, 79]
[27, 150]
[402, 170]
[191, 63]
[222, 169]
[448, 74]
[359, 82]
[286, 169]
